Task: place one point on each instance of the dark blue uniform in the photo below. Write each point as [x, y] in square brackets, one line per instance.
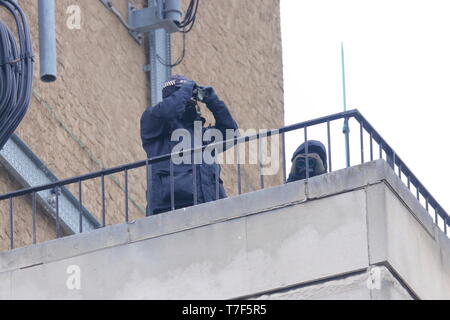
[157, 125]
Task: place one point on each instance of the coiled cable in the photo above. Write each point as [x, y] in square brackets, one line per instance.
[16, 71]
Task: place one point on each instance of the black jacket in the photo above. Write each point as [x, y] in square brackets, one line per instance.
[157, 125]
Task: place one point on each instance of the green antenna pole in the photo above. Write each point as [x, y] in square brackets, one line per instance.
[346, 129]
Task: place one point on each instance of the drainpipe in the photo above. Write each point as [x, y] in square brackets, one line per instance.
[159, 46]
[47, 40]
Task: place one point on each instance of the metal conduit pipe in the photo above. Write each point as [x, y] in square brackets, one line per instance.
[47, 40]
[172, 10]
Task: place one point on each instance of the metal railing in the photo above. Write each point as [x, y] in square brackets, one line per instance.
[376, 148]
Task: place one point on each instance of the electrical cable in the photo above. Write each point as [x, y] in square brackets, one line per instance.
[179, 60]
[186, 26]
[191, 15]
[16, 71]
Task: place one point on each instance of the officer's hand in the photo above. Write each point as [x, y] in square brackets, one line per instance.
[210, 95]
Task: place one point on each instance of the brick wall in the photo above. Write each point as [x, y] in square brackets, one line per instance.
[89, 118]
[22, 218]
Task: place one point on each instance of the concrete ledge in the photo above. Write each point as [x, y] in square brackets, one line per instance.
[312, 240]
[64, 248]
[346, 179]
[408, 199]
[367, 174]
[218, 211]
[335, 224]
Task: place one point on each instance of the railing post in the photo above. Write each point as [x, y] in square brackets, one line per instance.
[58, 231]
[381, 150]
[306, 152]
[329, 146]
[371, 146]
[172, 185]
[283, 150]
[238, 166]
[103, 201]
[347, 141]
[11, 222]
[445, 224]
[126, 196]
[261, 177]
[393, 161]
[362, 141]
[194, 179]
[217, 174]
[80, 204]
[149, 167]
[33, 205]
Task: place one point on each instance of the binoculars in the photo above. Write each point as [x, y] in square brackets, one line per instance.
[200, 93]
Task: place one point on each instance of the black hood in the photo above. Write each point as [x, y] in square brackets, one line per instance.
[314, 146]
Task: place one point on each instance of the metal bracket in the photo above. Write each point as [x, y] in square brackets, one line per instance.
[30, 171]
[135, 34]
[149, 19]
[147, 68]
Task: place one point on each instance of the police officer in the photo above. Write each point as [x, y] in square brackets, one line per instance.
[317, 161]
[179, 110]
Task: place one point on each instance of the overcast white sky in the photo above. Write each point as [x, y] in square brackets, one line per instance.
[397, 69]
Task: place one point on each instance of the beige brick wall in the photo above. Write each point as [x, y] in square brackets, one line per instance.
[23, 223]
[89, 118]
